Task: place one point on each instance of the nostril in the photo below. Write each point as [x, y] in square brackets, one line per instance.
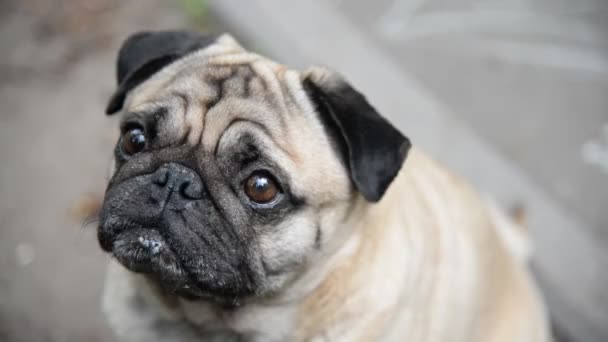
[172, 178]
[184, 187]
[190, 190]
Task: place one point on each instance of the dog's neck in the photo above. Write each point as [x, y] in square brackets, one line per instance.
[292, 313]
[360, 288]
[351, 295]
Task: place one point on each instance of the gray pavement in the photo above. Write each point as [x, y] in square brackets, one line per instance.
[56, 74]
[530, 77]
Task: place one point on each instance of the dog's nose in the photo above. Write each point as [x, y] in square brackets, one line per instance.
[176, 180]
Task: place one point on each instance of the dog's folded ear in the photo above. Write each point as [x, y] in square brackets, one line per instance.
[373, 148]
[145, 53]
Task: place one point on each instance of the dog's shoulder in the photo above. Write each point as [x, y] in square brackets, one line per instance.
[480, 252]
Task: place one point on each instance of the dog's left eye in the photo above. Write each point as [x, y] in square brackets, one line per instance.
[133, 140]
[261, 187]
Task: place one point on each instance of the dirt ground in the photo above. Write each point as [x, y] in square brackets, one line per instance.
[56, 73]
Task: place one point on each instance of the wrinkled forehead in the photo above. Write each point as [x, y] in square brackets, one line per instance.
[213, 97]
[204, 92]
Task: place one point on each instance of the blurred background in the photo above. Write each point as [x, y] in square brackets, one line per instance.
[511, 94]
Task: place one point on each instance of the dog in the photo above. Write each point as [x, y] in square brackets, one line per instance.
[252, 202]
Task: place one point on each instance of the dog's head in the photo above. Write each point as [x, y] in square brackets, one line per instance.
[232, 171]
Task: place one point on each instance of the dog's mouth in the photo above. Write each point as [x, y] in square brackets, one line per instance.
[146, 251]
[179, 260]
[184, 244]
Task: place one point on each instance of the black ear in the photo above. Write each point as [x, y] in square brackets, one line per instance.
[374, 149]
[145, 53]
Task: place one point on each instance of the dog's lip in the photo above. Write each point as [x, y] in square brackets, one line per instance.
[143, 242]
[148, 251]
[148, 238]
[144, 250]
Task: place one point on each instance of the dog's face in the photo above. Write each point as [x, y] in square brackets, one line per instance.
[232, 171]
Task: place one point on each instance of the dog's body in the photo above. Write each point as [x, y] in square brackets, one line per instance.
[348, 258]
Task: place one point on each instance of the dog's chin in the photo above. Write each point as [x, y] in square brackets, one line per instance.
[145, 251]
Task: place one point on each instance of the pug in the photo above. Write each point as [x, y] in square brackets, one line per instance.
[252, 202]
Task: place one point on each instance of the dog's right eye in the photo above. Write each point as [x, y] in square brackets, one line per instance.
[133, 140]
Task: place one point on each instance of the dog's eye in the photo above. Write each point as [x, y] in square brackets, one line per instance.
[133, 140]
[261, 187]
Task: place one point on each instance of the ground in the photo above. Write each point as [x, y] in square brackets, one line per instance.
[57, 72]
